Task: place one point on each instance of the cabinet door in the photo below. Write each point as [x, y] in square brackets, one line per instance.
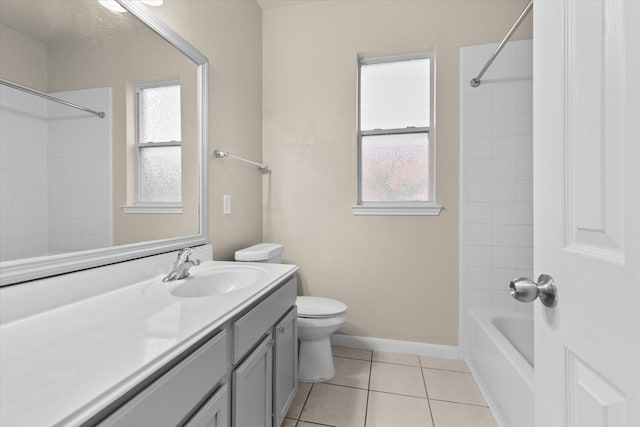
[215, 412]
[285, 375]
[252, 388]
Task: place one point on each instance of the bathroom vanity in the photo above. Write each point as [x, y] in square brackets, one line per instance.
[140, 355]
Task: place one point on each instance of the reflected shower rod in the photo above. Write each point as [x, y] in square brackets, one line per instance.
[220, 154]
[50, 98]
[475, 82]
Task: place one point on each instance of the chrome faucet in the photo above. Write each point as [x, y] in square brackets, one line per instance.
[182, 265]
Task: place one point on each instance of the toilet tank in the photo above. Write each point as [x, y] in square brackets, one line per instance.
[262, 252]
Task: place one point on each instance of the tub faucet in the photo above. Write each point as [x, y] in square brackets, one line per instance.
[182, 265]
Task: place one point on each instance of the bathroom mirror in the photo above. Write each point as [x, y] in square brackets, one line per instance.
[71, 181]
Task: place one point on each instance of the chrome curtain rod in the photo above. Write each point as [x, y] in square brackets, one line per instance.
[475, 82]
[220, 154]
[50, 98]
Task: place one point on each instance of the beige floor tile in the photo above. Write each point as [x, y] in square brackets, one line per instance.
[452, 386]
[335, 406]
[446, 364]
[398, 358]
[296, 406]
[386, 410]
[288, 422]
[447, 414]
[397, 379]
[351, 353]
[351, 372]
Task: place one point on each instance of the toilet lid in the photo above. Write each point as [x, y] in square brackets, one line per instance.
[319, 307]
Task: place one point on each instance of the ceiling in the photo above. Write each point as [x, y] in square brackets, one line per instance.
[57, 21]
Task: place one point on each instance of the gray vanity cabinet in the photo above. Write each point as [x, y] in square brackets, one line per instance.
[215, 412]
[245, 375]
[285, 373]
[253, 387]
[265, 383]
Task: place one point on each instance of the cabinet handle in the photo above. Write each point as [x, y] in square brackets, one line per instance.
[281, 329]
[271, 342]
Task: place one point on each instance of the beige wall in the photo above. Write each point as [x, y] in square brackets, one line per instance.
[229, 33]
[28, 63]
[398, 275]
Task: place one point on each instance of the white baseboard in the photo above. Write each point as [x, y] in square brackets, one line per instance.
[395, 346]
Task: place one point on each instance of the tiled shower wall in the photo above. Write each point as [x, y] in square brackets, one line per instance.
[496, 206]
[79, 172]
[23, 179]
[55, 174]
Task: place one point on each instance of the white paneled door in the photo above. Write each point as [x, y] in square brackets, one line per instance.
[587, 211]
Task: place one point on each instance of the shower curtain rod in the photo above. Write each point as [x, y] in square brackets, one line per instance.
[475, 82]
[220, 154]
[49, 97]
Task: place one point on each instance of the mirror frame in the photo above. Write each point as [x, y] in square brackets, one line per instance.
[13, 272]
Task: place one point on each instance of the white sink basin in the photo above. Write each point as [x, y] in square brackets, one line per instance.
[218, 280]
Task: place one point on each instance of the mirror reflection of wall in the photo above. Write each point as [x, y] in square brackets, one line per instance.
[66, 174]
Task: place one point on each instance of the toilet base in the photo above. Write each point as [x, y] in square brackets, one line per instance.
[315, 361]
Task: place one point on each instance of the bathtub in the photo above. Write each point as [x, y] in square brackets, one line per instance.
[500, 357]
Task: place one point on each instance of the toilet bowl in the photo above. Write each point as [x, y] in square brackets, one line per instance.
[317, 319]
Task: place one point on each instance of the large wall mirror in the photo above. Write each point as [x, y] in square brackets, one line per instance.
[121, 172]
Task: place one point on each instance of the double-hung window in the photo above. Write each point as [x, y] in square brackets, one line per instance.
[158, 145]
[395, 143]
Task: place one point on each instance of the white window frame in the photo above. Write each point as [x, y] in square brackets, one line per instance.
[397, 207]
[150, 207]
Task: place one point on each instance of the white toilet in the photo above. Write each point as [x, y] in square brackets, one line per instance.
[317, 319]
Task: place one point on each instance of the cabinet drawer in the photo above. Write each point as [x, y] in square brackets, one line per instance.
[253, 325]
[170, 398]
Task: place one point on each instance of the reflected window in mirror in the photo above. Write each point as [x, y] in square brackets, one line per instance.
[158, 144]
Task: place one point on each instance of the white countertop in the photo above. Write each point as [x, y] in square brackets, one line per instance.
[64, 365]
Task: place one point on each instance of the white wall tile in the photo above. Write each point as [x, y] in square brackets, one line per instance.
[478, 213]
[496, 215]
[479, 256]
[478, 234]
[478, 278]
[479, 169]
[479, 298]
[504, 235]
[501, 277]
[502, 300]
[503, 257]
[479, 191]
[504, 147]
[477, 147]
[504, 169]
[504, 191]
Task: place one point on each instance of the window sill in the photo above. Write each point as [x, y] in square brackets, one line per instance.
[399, 210]
[152, 208]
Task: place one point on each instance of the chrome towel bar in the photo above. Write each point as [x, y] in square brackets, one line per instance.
[220, 154]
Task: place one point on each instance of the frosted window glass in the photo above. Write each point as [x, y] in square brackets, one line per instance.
[395, 94]
[160, 114]
[395, 168]
[160, 172]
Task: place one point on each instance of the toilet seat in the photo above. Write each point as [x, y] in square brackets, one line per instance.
[319, 307]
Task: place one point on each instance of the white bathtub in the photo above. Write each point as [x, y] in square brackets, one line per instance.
[500, 356]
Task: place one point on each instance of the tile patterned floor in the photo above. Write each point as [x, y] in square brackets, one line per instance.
[378, 389]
